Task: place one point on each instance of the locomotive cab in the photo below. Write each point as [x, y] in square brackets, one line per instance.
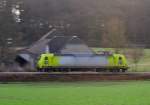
[51, 62]
[120, 62]
[45, 61]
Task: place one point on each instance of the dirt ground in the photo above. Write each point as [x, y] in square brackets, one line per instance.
[73, 76]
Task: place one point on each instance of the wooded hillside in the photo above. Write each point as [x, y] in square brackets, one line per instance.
[95, 21]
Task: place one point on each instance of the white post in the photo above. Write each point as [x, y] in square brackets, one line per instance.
[47, 49]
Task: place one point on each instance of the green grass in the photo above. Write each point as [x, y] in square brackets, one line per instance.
[80, 93]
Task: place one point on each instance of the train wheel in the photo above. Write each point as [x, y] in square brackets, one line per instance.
[118, 70]
[43, 70]
[40, 70]
[123, 70]
[46, 70]
[115, 70]
[98, 70]
[111, 70]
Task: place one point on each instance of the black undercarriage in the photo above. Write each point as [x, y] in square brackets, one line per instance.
[82, 70]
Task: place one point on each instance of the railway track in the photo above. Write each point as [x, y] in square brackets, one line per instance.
[71, 76]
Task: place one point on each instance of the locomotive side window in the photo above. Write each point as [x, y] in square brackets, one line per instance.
[46, 58]
[120, 61]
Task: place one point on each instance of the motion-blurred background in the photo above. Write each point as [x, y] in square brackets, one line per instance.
[116, 25]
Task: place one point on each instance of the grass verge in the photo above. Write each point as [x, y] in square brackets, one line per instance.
[79, 93]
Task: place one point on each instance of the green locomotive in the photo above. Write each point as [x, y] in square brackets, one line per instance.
[82, 62]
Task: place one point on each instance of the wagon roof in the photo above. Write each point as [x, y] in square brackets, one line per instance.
[59, 45]
[68, 45]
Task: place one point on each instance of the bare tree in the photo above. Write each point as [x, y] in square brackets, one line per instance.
[9, 32]
[114, 33]
[136, 54]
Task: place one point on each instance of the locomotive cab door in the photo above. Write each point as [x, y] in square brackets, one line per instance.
[121, 63]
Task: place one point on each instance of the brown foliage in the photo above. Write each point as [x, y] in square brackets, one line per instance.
[114, 33]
